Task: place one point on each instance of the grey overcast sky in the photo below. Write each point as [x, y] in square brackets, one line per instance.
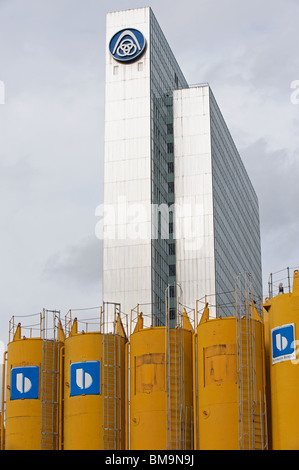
[52, 123]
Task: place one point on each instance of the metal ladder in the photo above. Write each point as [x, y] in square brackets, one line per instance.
[111, 367]
[245, 369]
[174, 378]
[49, 380]
[188, 428]
[261, 442]
[252, 408]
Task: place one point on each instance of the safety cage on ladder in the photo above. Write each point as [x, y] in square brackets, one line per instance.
[179, 415]
[252, 429]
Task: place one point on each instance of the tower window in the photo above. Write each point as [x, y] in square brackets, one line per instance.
[171, 187]
[171, 291]
[172, 270]
[171, 313]
[170, 147]
[172, 248]
[170, 128]
[170, 167]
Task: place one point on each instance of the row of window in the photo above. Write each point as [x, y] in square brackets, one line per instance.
[165, 76]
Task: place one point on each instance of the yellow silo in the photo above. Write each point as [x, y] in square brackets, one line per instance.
[282, 314]
[230, 384]
[2, 443]
[31, 401]
[94, 389]
[161, 387]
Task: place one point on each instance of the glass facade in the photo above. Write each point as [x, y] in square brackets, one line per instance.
[165, 77]
[236, 216]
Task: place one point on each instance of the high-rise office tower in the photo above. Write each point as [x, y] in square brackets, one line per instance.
[179, 208]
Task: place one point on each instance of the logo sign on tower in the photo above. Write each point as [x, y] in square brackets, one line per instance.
[283, 343]
[85, 378]
[24, 382]
[127, 45]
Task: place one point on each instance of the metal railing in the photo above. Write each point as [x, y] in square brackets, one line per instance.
[280, 281]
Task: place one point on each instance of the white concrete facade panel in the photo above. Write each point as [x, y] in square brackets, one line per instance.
[193, 194]
[127, 258]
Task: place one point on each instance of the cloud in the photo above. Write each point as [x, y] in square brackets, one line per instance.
[275, 173]
[79, 265]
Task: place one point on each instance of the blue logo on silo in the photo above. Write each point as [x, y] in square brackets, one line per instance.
[85, 378]
[127, 45]
[283, 343]
[24, 382]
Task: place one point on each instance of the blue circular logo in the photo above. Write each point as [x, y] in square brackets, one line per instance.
[127, 45]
